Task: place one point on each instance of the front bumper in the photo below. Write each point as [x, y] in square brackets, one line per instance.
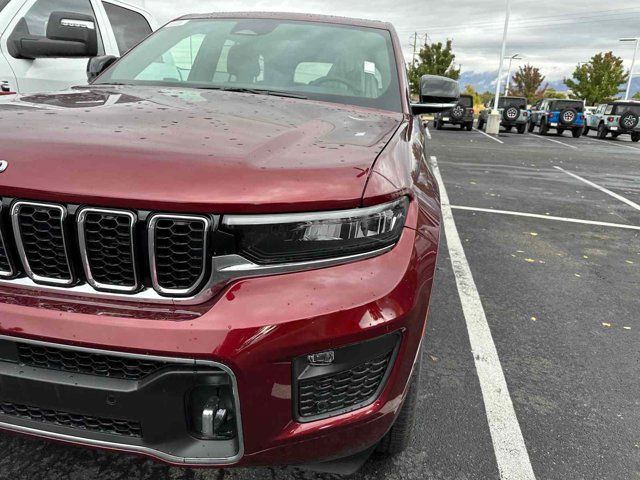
[249, 336]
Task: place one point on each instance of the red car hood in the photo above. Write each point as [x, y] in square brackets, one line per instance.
[189, 150]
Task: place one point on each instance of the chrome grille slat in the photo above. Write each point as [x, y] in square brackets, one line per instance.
[107, 249]
[40, 238]
[7, 268]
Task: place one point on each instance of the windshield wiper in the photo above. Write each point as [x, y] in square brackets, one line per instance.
[257, 91]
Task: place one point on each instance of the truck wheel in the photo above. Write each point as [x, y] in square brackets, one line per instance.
[635, 137]
[522, 128]
[508, 128]
[577, 132]
[462, 126]
[438, 124]
[532, 127]
[560, 130]
[602, 131]
[586, 131]
[480, 124]
[544, 128]
[469, 126]
[399, 437]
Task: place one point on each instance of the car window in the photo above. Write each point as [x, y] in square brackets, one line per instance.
[466, 101]
[3, 3]
[37, 17]
[509, 101]
[129, 27]
[620, 109]
[356, 65]
[608, 110]
[562, 104]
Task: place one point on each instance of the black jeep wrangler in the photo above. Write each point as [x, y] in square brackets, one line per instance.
[461, 114]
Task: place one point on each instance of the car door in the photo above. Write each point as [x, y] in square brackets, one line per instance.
[129, 25]
[48, 74]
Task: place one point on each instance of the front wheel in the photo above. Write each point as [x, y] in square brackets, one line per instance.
[586, 131]
[508, 128]
[560, 131]
[532, 126]
[522, 128]
[480, 124]
[577, 132]
[469, 126]
[635, 137]
[438, 124]
[398, 438]
[602, 131]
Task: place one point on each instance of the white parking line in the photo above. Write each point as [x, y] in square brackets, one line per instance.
[508, 444]
[602, 189]
[555, 141]
[489, 136]
[546, 217]
[596, 141]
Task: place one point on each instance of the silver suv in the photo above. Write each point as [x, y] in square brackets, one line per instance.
[617, 118]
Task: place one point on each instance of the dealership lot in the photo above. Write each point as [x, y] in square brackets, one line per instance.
[558, 275]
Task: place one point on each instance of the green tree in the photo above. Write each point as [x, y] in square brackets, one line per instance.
[551, 92]
[599, 80]
[527, 82]
[433, 59]
[636, 96]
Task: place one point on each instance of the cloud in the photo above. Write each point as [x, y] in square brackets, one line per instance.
[552, 35]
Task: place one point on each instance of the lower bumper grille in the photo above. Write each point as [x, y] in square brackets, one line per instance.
[74, 361]
[343, 390]
[72, 420]
[346, 379]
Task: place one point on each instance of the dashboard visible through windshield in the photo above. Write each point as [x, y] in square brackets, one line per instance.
[355, 65]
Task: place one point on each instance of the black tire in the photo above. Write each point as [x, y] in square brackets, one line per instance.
[469, 126]
[586, 131]
[511, 114]
[522, 128]
[635, 137]
[532, 127]
[568, 116]
[615, 134]
[560, 130]
[628, 121]
[576, 132]
[602, 131]
[508, 128]
[398, 438]
[438, 124]
[480, 124]
[462, 126]
[457, 112]
[544, 127]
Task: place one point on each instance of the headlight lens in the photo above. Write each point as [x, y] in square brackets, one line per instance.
[290, 238]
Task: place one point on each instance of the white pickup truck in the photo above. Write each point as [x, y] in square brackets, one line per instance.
[45, 44]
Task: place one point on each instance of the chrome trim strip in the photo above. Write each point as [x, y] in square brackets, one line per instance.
[15, 220]
[225, 269]
[82, 244]
[136, 448]
[279, 218]
[151, 234]
[12, 272]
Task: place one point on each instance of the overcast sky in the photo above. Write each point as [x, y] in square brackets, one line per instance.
[552, 34]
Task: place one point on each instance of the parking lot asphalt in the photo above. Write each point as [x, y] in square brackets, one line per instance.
[555, 255]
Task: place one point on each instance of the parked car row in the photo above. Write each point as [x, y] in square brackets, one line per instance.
[550, 114]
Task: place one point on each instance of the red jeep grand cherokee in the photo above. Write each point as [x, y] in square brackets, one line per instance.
[222, 251]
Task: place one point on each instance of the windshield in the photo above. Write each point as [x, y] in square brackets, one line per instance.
[562, 104]
[620, 109]
[335, 63]
[3, 3]
[508, 101]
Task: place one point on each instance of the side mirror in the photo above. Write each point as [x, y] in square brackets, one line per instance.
[68, 35]
[97, 65]
[436, 94]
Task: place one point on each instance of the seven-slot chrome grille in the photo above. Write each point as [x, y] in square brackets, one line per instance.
[103, 250]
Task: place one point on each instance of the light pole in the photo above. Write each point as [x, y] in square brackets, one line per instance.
[633, 63]
[507, 86]
[493, 119]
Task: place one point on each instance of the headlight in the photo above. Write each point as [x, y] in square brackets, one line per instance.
[304, 237]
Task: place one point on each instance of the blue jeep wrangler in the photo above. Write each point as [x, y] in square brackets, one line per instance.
[558, 114]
